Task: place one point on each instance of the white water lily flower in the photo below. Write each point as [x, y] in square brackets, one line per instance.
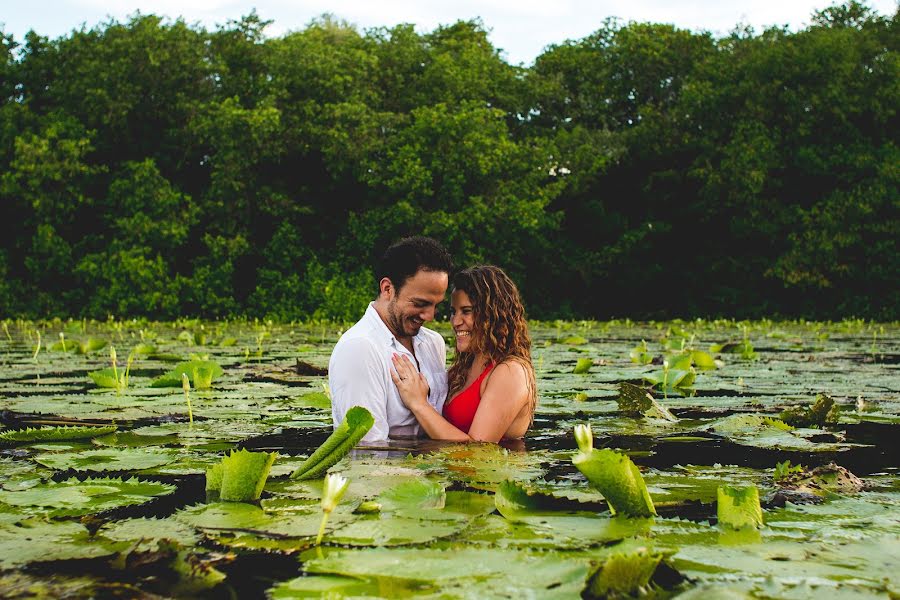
[584, 437]
[335, 487]
[185, 383]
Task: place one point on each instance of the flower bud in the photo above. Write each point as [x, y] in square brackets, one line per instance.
[185, 383]
[584, 437]
[335, 486]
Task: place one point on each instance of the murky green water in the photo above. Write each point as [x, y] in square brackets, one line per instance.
[125, 513]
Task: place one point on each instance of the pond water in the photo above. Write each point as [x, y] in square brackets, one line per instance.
[123, 511]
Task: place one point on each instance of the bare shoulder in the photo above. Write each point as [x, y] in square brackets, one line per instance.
[510, 377]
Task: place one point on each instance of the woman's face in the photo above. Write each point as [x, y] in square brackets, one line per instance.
[462, 318]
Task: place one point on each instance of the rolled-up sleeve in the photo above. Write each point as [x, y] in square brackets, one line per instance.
[356, 377]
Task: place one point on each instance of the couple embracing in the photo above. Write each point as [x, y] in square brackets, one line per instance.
[391, 365]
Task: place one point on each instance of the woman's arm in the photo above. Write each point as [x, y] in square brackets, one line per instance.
[413, 390]
[505, 394]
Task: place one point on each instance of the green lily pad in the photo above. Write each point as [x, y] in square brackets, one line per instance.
[46, 434]
[108, 459]
[72, 497]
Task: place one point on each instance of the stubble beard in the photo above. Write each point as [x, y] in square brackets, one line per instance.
[397, 322]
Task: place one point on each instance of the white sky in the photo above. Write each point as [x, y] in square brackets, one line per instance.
[521, 28]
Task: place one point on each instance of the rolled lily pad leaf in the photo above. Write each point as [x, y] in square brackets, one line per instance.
[241, 476]
[201, 373]
[90, 345]
[72, 498]
[108, 459]
[106, 378]
[738, 507]
[624, 575]
[55, 434]
[583, 366]
[514, 501]
[674, 379]
[703, 360]
[618, 479]
[143, 349]
[357, 422]
[640, 355]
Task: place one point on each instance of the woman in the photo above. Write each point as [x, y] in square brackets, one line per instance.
[492, 387]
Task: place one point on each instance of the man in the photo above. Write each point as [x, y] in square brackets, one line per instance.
[412, 280]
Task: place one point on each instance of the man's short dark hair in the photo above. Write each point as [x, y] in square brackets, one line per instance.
[410, 255]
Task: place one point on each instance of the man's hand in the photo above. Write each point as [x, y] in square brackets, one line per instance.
[411, 384]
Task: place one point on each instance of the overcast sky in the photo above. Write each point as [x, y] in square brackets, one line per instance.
[521, 28]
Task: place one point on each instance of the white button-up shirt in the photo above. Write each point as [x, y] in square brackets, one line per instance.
[359, 374]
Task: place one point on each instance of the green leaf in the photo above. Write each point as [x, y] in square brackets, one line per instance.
[821, 413]
[575, 340]
[357, 422]
[201, 373]
[39, 541]
[106, 378]
[108, 459]
[738, 507]
[54, 434]
[618, 479]
[72, 497]
[624, 575]
[514, 501]
[242, 475]
[583, 366]
[413, 494]
[640, 355]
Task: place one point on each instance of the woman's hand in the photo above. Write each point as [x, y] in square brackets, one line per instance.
[410, 383]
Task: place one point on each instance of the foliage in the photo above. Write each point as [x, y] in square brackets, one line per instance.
[738, 507]
[49, 434]
[240, 476]
[154, 168]
[822, 412]
[357, 422]
[201, 373]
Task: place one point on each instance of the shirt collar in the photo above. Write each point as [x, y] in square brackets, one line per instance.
[383, 333]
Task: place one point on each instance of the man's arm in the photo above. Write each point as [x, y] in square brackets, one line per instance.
[356, 378]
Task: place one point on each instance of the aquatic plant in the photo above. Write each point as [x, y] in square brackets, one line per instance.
[635, 401]
[333, 490]
[738, 507]
[820, 413]
[37, 347]
[624, 575]
[640, 354]
[784, 471]
[583, 366]
[357, 422]
[201, 372]
[186, 386]
[55, 434]
[614, 475]
[240, 476]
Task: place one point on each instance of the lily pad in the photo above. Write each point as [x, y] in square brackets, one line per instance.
[108, 459]
[73, 497]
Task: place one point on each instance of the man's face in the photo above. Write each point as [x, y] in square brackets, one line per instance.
[416, 302]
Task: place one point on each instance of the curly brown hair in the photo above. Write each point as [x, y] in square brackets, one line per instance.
[500, 332]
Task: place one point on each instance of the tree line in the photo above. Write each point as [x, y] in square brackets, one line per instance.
[155, 168]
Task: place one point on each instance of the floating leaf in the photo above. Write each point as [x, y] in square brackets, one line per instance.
[108, 459]
[414, 494]
[55, 434]
[738, 507]
[821, 481]
[575, 340]
[357, 422]
[75, 498]
[40, 541]
[635, 401]
[618, 479]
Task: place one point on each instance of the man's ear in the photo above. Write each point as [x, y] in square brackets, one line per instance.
[386, 288]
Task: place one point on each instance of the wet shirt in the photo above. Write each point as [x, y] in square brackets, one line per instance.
[359, 374]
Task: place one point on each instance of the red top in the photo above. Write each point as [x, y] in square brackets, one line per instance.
[461, 411]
